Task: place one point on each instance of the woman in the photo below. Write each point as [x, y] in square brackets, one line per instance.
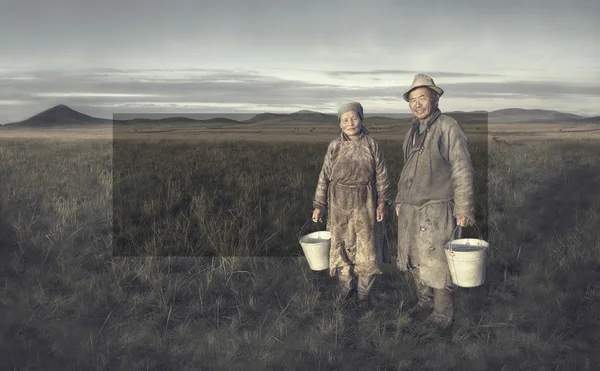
[353, 188]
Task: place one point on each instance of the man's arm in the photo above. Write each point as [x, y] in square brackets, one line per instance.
[463, 174]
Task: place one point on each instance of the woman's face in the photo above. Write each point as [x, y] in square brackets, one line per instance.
[350, 123]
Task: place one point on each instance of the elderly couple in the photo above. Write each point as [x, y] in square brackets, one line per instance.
[435, 194]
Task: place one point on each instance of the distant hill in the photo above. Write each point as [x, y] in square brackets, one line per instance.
[60, 115]
[296, 117]
[594, 120]
[174, 119]
[390, 117]
[313, 116]
[179, 120]
[264, 117]
[518, 115]
[221, 120]
[509, 115]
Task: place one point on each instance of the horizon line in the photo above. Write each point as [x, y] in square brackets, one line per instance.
[288, 112]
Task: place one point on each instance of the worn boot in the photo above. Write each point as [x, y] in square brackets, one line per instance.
[442, 316]
[364, 285]
[347, 285]
[425, 299]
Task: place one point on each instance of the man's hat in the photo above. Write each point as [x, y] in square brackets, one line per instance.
[422, 80]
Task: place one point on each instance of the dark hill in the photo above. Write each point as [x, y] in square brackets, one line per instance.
[60, 115]
[519, 115]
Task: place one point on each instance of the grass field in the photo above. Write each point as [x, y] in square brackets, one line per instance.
[68, 304]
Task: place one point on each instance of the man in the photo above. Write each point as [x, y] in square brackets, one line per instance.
[435, 193]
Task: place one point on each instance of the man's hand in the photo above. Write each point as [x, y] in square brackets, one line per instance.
[398, 210]
[380, 212]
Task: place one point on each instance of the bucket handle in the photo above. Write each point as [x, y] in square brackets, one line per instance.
[459, 228]
[302, 228]
[454, 236]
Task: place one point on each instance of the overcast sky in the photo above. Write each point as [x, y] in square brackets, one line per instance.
[105, 57]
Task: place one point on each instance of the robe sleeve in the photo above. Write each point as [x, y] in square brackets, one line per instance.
[320, 198]
[381, 176]
[463, 174]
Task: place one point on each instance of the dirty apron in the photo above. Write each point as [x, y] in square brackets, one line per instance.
[356, 237]
[422, 233]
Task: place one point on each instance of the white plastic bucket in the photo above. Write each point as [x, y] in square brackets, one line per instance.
[316, 249]
[466, 260]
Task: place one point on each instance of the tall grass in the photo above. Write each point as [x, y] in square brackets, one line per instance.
[204, 271]
[184, 198]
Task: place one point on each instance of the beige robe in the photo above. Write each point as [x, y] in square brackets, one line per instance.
[422, 233]
[353, 180]
[436, 184]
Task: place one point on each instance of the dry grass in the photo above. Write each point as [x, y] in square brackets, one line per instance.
[68, 304]
[299, 131]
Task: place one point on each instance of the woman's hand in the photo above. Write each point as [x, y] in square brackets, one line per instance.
[380, 212]
[316, 216]
[463, 221]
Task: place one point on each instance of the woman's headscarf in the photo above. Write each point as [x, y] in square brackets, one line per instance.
[350, 106]
[353, 106]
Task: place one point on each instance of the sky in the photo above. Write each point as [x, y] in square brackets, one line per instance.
[147, 56]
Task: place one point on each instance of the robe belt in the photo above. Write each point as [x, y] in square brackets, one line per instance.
[352, 185]
[430, 202]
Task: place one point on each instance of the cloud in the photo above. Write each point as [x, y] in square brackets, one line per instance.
[524, 88]
[434, 74]
[111, 90]
[92, 95]
[12, 102]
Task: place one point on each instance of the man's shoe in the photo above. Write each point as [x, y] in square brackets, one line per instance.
[440, 321]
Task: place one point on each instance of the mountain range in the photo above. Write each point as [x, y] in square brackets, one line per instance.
[62, 115]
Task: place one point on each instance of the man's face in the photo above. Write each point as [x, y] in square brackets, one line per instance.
[421, 102]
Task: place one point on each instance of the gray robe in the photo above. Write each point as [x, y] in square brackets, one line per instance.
[436, 185]
[353, 180]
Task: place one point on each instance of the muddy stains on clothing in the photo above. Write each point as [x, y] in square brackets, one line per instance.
[353, 180]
